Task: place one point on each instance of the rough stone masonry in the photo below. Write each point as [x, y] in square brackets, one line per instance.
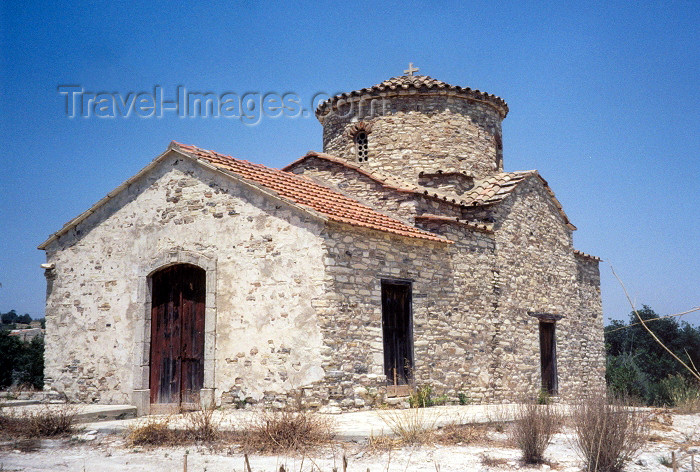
[401, 256]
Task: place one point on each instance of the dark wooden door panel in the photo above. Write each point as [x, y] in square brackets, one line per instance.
[548, 357]
[396, 327]
[177, 335]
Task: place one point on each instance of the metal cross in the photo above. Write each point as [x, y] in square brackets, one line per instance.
[411, 69]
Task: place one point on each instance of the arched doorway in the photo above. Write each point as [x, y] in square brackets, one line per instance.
[177, 337]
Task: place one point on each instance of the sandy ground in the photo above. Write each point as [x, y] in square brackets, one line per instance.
[101, 448]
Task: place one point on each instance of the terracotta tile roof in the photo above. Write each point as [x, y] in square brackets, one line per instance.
[488, 191]
[378, 177]
[497, 187]
[384, 180]
[396, 85]
[584, 255]
[483, 227]
[304, 191]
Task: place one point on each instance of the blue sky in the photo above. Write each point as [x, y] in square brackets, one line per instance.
[604, 102]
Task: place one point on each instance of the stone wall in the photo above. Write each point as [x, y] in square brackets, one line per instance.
[294, 307]
[401, 205]
[539, 273]
[416, 132]
[269, 272]
[472, 300]
[448, 284]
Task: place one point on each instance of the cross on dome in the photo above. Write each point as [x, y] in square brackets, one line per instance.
[409, 72]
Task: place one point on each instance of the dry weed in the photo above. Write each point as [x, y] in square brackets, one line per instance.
[199, 426]
[202, 425]
[153, 431]
[534, 427]
[383, 443]
[47, 421]
[460, 434]
[499, 416]
[412, 426]
[687, 400]
[286, 431]
[489, 461]
[607, 434]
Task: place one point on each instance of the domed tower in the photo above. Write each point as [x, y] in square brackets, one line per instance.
[417, 129]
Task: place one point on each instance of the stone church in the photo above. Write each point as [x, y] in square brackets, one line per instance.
[403, 255]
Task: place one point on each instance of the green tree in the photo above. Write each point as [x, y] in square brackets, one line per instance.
[10, 349]
[29, 366]
[9, 318]
[637, 364]
[21, 362]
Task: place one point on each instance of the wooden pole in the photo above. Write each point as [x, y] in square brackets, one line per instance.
[184, 463]
[345, 463]
[247, 463]
[673, 461]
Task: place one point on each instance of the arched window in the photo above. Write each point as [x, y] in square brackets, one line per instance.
[361, 146]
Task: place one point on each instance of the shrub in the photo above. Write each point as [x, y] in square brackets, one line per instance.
[463, 398]
[684, 394]
[287, 430]
[10, 348]
[543, 397]
[534, 427]
[625, 378]
[421, 397]
[606, 433]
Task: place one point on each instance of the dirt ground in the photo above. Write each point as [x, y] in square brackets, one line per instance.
[109, 452]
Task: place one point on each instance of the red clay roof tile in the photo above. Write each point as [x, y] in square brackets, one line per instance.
[303, 191]
[418, 82]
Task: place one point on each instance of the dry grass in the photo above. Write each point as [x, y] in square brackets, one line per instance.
[286, 431]
[489, 461]
[460, 434]
[411, 426]
[607, 434]
[533, 430]
[383, 443]
[153, 431]
[200, 427]
[687, 400]
[47, 421]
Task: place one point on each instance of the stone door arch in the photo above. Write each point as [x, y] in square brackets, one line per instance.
[141, 394]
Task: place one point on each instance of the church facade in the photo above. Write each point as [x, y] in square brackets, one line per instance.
[403, 255]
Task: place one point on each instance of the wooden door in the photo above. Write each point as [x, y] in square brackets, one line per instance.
[397, 332]
[548, 357]
[177, 335]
